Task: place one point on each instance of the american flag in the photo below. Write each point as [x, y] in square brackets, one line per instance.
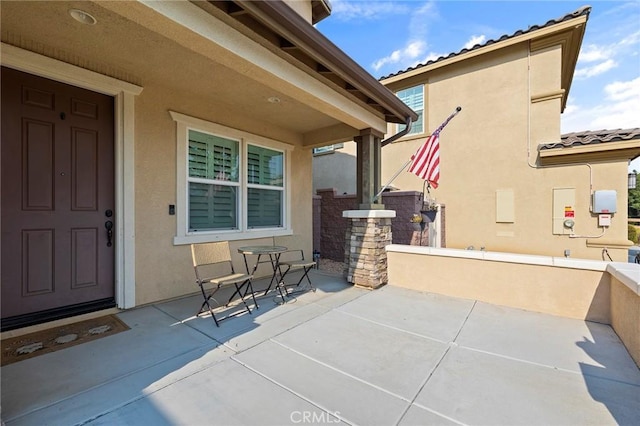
[426, 161]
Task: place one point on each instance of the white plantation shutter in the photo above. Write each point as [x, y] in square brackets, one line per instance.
[213, 182]
[265, 187]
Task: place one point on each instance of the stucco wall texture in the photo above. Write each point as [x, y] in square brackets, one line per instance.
[164, 270]
[511, 103]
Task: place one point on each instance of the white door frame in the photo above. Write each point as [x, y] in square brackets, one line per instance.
[124, 116]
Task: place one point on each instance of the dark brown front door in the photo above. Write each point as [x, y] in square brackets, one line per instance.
[57, 195]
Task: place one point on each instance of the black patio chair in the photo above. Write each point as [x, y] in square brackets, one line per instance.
[213, 266]
[294, 260]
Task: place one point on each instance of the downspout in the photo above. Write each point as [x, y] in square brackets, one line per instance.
[387, 141]
[398, 135]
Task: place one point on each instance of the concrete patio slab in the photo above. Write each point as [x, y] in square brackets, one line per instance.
[124, 390]
[350, 399]
[270, 319]
[426, 314]
[561, 343]
[41, 381]
[421, 416]
[478, 388]
[388, 358]
[225, 394]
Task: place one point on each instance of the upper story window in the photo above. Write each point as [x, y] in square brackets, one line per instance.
[413, 97]
[328, 149]
[231, 184]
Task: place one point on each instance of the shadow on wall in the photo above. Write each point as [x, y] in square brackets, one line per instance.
[612, 368]
[335, 170]
[613, 379]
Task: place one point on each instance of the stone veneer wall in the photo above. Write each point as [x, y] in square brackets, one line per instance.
[365, 255]
[332, 226]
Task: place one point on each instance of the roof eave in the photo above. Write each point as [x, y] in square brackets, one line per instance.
[283, 20]
[609, 151]
[570, 37]
[320, 9]
[569, 34]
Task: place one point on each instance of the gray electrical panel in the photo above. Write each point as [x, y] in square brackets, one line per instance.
[605, 201]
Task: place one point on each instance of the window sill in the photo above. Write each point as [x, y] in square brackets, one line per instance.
[229, 236]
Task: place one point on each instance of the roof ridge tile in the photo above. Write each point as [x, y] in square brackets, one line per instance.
[583, 10]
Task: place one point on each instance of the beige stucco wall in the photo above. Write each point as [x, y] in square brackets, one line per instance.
[625, 316]
[525, 282]
[492, 145]
[336, 170]
[163, 270]
[596, 291]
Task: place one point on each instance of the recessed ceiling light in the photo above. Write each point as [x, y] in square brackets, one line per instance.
[82, 17]
[274, 100]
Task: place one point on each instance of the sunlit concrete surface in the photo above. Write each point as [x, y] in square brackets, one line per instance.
[338, 355]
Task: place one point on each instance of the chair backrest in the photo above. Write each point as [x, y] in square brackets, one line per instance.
[210, 253]
[289, 241]
[292, 242]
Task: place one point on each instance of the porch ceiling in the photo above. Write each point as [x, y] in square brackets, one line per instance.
[151, 52]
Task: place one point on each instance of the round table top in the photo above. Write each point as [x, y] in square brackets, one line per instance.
[262, 249]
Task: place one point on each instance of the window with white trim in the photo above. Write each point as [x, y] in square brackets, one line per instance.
[328, 149]
[231, 184]
[413, 97]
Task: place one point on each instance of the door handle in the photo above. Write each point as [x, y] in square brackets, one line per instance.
[109, 226]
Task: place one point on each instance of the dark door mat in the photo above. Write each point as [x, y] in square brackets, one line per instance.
[30, 345]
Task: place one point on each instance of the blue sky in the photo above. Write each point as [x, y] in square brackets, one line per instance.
[388, 36]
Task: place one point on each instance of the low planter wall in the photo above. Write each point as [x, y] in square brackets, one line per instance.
[589, 290]
[625, 305]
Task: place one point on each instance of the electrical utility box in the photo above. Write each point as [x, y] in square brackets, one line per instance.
[604, 201]
[564, 210]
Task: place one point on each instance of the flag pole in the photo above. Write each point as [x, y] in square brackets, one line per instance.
[458, 109]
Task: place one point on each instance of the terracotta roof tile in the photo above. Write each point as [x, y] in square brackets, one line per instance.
[584, 10]
[593, 137]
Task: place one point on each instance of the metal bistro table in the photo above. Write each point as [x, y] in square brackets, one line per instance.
[273, 253]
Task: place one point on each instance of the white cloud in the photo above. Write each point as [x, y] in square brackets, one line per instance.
[597, 69]
[416, 45]
[623, 90]
[605, 55]
[619, 109]
[432, 56]
[592, 53]
[369, 10]
[475, 39]
[631, 39]
[410, 52]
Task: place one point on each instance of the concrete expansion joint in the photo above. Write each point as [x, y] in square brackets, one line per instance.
[331, 367]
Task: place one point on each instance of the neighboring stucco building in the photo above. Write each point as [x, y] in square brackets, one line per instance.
[132, 129]
[509, 180]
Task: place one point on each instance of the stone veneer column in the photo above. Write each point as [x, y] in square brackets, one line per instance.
[366, 239]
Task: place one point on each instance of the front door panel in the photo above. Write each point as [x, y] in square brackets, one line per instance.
[57, 184]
